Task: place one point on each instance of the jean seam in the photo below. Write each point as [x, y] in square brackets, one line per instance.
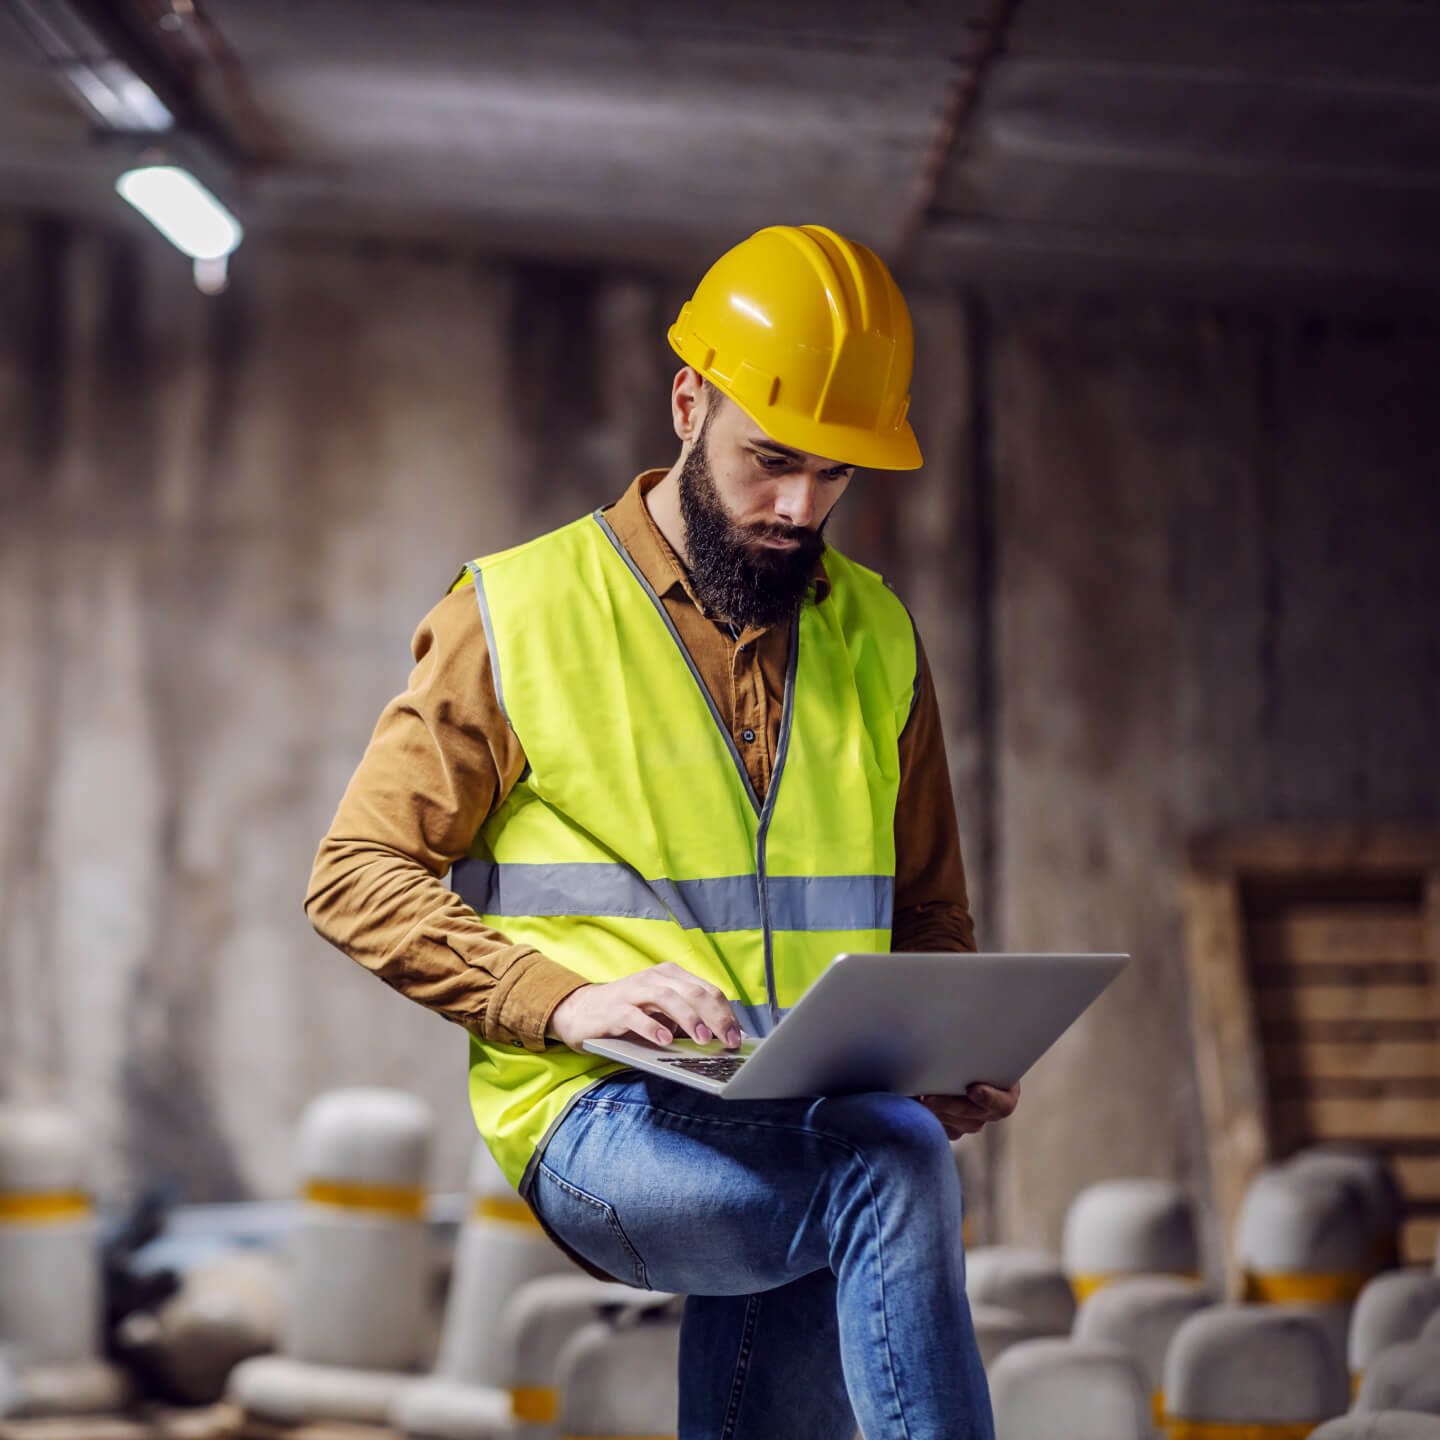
[884, 1315]
[612, 1220]
[742, 1366]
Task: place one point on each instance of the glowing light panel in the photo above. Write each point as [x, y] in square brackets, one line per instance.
[182, 210]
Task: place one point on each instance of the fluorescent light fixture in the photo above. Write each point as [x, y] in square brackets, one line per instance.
[182, 210]
[119, 97]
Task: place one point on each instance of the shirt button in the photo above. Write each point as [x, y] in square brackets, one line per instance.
[747, 736]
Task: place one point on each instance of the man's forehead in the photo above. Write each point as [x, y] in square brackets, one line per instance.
[753, 435]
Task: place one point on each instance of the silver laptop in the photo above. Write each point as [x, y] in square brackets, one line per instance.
[913, 1024]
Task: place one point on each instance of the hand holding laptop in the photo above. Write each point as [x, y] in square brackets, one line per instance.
[969, 1113]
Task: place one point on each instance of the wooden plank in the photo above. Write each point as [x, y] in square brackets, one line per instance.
[1318, 1060]
[1419, 1175]
[1290, 852]
[1350, 1002]
[1339, 934]
[1369, 972]
[1377, 1121]
[1350, 1032]
[1351, 1087]
[1227, 1051]
[1432, 919]
[1418, 1240]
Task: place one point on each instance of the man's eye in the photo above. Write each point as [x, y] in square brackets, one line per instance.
[772, 462]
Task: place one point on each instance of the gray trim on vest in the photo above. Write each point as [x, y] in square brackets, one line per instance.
[782, 749]
[714, 905]
[660, 610]
[915, 683]
[479, 581]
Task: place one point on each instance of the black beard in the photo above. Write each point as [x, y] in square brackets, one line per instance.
[733, 576]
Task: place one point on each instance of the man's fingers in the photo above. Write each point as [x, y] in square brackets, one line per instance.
[678, 1007]
[998, 1104]
[702, 1015]
[958, 1114]
[642, 1022]
[714, 1020]
[956, 1107]
[679, 972]
[720, 1021]
[656, 1004]
[712, 1009]
[958, 1132]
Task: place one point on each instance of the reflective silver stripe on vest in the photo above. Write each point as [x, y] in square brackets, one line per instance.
[715, 905]
[477, 577]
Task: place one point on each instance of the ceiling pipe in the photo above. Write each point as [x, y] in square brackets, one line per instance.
[988, 41]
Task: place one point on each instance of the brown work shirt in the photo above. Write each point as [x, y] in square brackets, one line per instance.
[443, 758]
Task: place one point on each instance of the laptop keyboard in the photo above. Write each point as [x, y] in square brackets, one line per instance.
[713, 1067]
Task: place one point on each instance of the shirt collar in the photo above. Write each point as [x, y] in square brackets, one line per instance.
[636, 530]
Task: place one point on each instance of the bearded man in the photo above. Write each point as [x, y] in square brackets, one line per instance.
[593, 744]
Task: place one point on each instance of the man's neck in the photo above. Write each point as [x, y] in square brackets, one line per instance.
[663, 503]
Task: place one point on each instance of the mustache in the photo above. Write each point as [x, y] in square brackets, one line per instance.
[764, 530]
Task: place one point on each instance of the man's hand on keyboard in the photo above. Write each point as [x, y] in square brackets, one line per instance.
[971, 1112]
[656, 1004]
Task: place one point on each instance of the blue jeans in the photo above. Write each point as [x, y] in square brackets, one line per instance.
[818, 1242]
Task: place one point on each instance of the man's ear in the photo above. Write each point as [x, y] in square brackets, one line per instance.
[687, 402]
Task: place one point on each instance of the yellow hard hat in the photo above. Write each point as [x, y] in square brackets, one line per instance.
[810, 336]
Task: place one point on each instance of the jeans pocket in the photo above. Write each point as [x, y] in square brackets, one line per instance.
[587, 1225]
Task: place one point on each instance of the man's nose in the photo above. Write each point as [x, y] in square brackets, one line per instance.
[795, 503]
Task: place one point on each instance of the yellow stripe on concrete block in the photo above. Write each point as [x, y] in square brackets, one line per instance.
[1085, 1284]
[508, 1209]
[1304, 1287]
[403, 1201]
[42, 1207]
[535, 1404]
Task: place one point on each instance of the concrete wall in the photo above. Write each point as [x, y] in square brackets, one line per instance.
[1217, 603]
[1175, 568]
[222, 521]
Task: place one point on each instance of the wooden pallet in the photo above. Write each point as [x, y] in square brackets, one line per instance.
[1314, 963]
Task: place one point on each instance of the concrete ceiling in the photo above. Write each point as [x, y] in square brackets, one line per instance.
[1229, 147]
[588, 128]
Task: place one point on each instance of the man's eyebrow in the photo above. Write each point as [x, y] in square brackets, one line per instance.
[775, 448]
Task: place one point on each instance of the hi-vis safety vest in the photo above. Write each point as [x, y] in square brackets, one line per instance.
[635, 836]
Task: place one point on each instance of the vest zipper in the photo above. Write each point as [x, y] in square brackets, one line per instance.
[765, 811]
[762, 880]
